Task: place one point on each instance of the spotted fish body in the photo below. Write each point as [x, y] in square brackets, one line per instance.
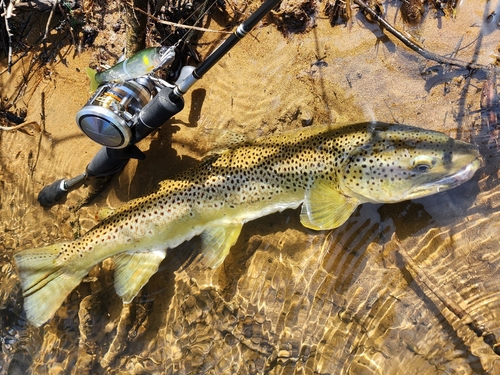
[329, 170]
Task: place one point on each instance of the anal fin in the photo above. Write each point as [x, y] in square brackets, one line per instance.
[217, 241]
[325, 207]
[133, 272]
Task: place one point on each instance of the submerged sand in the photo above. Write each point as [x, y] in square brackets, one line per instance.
[370, 297]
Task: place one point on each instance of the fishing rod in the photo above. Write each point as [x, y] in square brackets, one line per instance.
[120, 115]
[242, 30]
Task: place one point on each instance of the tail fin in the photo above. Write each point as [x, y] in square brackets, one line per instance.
[93, 82]
[45, 281]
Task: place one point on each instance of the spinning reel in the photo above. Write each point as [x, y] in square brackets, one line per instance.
[122, 92]
[108, 117]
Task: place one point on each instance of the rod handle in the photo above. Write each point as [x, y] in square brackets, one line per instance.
[53, 193]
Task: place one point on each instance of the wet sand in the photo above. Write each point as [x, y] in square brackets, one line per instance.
[370, 297]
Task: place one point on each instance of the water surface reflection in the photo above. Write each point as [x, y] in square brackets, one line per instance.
[378, 295]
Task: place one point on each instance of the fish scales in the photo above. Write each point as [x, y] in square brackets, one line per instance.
[241, 175]
[329, 170]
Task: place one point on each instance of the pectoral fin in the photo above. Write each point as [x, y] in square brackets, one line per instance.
[325, 207]
[133, 271]
[216, 243]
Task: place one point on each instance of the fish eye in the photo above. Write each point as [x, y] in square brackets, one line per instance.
[423, 163]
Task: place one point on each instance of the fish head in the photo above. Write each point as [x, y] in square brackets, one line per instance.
[397, 163]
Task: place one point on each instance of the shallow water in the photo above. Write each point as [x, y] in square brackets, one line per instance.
[394, 290]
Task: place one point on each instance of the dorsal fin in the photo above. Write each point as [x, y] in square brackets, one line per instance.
[103, 213]
[220, 140]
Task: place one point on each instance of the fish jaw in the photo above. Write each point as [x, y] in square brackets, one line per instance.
[456, 167]
[447, 182]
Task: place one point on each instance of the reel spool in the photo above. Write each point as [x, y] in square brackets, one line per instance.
[108, 115]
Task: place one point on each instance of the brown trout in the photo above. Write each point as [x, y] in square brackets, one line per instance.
[329, 170]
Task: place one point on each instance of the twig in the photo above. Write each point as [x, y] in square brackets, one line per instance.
[50, 19]
[7, 14]
[421, 278]
[3, 13]
[176, 24]
[27, 50]
[19, 126]
[42, 121]
[68, 23]
[414, 46]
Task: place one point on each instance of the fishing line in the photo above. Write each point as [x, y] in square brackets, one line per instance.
[176, 24]
[187, 36]
[136, 113]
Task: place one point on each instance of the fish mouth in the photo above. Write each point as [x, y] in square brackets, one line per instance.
[455, 179]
